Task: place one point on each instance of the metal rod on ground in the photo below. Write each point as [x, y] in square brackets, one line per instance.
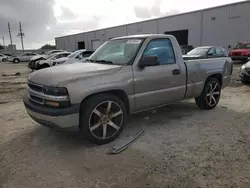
[10, 34]
[21, 34]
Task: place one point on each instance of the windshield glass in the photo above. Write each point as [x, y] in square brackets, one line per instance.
[242, 46]
[198, 51]
[74, 54]
[119, 51]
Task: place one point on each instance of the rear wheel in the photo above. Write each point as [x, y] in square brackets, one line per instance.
[210, 95]
[103, 117]
[16, 60]
[4, 60]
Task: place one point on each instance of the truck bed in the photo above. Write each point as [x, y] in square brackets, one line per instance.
[199, 69]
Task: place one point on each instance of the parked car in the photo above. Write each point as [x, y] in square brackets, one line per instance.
[74, 57]
[206, 52]
[3, 58]
[241, 52]
[8, 55]
[186, 48]
[50, 60]
[125, 75]
[245, 72]
[39, 57]
[23, 57]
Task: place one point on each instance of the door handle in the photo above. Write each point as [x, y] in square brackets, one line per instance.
[176, 71]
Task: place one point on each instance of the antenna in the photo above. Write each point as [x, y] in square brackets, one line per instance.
[21, 34]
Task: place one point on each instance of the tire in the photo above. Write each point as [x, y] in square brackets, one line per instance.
[244, 81]
[210, 95]
[43, 66]
[16, 60]
[4, 60]
[95, 125]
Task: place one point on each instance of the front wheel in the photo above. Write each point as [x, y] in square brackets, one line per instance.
[103, 118]
[16, 60]
[210, 95]
[4, 60]
[244, 81]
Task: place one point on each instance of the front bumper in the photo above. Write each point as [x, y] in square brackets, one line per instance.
[245, 77]
[239, 58]
[59, 118]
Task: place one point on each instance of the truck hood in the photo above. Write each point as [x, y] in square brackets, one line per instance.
[55, 75]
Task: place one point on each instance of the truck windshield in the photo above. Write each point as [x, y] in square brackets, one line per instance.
[120, 51]
[198, 51]
[242, 46]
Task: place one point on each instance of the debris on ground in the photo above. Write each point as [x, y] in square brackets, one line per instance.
[122, 145]
[12, 74]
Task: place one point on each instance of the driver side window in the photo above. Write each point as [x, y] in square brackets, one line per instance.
[162, 49]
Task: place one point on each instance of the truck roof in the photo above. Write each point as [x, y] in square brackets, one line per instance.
[142, 36]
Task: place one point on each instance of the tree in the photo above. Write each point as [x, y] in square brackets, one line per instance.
[48, 46]
[1, 47]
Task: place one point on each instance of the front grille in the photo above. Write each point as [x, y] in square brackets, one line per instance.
[236, 53]
[248, 71]
[36, 99]
[35, 87]
[37, 95]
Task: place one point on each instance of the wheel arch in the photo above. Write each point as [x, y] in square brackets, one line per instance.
[15, 59]
[215, 75]
[121, 94]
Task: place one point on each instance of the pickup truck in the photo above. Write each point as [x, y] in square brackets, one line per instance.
[124, 75]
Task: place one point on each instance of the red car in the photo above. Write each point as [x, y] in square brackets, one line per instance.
[241, 51]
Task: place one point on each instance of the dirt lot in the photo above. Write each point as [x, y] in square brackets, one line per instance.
[182, 146]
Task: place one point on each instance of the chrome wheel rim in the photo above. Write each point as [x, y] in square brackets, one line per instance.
[105, 120]
[213, 94]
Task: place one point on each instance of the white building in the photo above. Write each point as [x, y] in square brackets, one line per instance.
[224, 25]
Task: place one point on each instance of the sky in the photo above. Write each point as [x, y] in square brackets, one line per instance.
[43, 20]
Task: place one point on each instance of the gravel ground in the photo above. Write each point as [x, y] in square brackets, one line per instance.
[183, 147]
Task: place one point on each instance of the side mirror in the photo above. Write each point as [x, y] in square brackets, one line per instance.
[147, 61]
[210, 54]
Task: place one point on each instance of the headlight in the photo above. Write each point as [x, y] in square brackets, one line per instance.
[243, 67]
[55, 91]
[61, 99]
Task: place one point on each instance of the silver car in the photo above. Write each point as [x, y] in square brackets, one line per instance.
[23, 57]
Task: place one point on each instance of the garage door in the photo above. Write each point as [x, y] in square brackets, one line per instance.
[96, 44]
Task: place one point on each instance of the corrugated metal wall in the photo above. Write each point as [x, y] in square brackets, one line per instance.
[223, 26]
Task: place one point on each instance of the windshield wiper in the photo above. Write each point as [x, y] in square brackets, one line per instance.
[104, 61]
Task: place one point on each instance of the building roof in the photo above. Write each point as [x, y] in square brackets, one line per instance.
[221, 6]
[140, 36]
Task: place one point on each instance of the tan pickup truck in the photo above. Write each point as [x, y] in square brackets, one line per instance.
[125, 75]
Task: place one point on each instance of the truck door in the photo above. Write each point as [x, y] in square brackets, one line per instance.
[160, 84]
